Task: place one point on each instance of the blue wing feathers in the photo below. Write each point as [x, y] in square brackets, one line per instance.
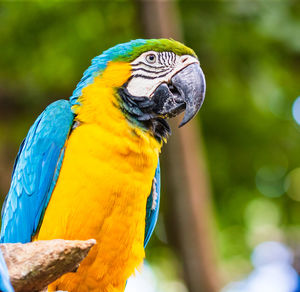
[34, 174]
[152, 207]
[36, 171]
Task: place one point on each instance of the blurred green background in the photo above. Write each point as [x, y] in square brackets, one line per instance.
[250, 53]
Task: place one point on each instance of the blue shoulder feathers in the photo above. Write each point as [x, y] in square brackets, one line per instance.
[35, 172]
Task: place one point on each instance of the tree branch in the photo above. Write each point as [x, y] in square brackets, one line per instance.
[33, 266]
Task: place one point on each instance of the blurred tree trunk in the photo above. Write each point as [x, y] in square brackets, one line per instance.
[185, 179]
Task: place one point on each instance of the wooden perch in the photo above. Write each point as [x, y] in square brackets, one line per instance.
[33, 266]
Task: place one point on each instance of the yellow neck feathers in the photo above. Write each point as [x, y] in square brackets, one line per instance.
[98, 100]
[99, 105]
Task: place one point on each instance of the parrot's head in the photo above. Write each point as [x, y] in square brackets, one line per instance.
[153, 80]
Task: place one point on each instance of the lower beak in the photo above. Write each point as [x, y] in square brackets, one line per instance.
[186, 91]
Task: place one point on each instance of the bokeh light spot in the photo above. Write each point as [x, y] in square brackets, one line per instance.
[271, 252]
[296, 110]
[270, 181]
[262, 217]
[262, 211]
[293, 184]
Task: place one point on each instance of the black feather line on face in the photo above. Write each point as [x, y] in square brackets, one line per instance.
[140, 111]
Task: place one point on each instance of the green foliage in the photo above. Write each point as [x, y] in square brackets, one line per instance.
[39, 42]
[250, 52]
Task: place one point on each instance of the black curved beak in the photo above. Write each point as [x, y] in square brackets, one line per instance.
[186, 91]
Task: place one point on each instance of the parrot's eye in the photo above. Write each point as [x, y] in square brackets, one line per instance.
[151, 58]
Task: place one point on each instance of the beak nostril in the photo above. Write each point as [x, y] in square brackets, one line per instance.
[173, 90]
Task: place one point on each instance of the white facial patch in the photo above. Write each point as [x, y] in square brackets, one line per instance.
[152, 68]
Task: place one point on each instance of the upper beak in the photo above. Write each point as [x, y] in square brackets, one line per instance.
[186, 90]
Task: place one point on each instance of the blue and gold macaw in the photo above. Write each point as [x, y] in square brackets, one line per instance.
[88, 164]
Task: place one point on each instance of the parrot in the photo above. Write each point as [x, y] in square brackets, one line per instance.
[89, 166]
